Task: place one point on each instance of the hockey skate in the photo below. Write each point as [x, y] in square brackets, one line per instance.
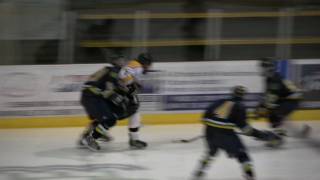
[280, 132]
[298, 132]
[84, 134]
[137, 144]
[89, 142]
[106, 138]
[198, 175]
[247, 177]
[305, 131]
[275, 142]
[80, 141]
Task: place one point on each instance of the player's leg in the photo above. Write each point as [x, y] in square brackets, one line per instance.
[205, 162]
[86, 140]
[134, 123]
[247, 166]
[100, 110]
[91, 125]
[235, 148]
[207, 158]
[134, 127]
[285, 110]
[276, 120]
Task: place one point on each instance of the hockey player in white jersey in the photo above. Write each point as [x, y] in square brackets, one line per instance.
[131, 76]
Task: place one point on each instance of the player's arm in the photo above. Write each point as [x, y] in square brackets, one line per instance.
[210, 110]
[113, 89]
[239, 114]
[294, 92]
[267, 103]
[116, 91]
[93, 83]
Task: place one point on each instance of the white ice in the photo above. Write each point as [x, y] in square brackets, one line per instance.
[51, 153]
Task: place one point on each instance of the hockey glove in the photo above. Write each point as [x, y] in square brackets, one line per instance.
[134, 88]
[116, 98]
[270, 101]
[274, 140]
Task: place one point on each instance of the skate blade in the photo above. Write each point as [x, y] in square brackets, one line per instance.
[86, 145]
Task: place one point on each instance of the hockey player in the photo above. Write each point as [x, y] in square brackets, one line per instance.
[104, 98]
[220, 119]
[131, 77]
[280, 99]
[111, 95]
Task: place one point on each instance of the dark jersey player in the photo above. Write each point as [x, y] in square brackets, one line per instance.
[280, 99]
[220, 119]
[104, 99]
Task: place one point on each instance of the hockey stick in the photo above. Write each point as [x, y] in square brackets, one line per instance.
[195, 138]
[188, 140]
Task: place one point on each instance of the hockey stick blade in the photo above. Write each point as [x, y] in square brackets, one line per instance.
[188, 140]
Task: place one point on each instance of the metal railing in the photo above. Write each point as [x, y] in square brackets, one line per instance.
[213, 39]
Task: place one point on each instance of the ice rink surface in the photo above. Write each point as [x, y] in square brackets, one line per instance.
[52, 154]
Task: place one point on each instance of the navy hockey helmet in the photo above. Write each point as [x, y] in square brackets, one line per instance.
[239, 91]
[267, 62]
[118, 60]
[145, 59]
[268, 65]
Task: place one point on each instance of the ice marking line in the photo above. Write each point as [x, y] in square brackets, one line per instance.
[85, 167]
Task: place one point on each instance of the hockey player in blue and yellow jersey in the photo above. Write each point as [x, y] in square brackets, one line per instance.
[104, 99]
[110, 95]
[280, 99]
[220, 119]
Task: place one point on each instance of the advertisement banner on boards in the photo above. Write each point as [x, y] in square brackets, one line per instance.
[193, 85]
[46, 90]
[306, 73]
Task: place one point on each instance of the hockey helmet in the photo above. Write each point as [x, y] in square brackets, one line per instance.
[118, 60]
[268, 66]
[239, 91]
[145, 59]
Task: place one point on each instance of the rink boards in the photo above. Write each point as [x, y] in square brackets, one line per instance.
[174, 93]
[147, 119]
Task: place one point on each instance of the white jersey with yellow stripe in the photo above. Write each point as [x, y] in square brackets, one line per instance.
[131, 73]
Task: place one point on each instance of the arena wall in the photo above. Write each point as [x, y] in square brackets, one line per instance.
[174, 93]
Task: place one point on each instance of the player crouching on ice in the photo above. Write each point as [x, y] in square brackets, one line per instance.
[220, 119]
[106, 99]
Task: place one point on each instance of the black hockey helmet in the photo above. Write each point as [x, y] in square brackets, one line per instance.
[118, 60]
[239, 91]
[145, 59]
[268, 65]
[267, 62]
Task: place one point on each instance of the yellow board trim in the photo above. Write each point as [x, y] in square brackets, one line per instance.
[199, 15]
[197, 42]
[147, 119]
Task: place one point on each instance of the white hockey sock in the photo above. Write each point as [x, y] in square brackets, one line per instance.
[135, 120]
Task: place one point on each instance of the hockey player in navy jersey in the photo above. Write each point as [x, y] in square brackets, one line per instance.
[220, 120]
[102, 96]
[110, 95]
[280, 99]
